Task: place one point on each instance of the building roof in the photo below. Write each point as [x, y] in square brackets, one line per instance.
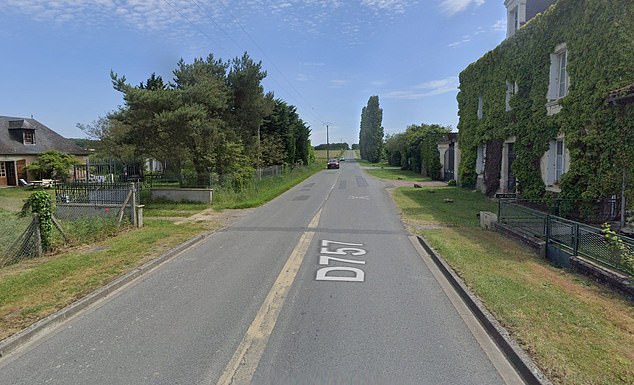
[45, 138]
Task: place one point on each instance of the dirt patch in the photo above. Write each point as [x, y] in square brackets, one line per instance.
[223, 218]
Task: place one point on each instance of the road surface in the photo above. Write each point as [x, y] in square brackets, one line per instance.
[321, 286]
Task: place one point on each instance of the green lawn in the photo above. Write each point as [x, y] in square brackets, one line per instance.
[577, 331]
[395, 173]
[12, 198]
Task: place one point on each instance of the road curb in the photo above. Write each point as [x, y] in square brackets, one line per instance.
[527, 369]
[9, 344]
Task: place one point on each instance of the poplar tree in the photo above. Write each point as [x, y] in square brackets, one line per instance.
[371, 132]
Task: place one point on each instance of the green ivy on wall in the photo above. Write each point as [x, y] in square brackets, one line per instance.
[599, 37]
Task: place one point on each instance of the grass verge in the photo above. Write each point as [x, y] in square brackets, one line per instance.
[396, 174]
[33, 289]
[264, 190]
[578, 332]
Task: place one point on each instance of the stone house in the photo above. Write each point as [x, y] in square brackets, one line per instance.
[533, 115]
[22, 140]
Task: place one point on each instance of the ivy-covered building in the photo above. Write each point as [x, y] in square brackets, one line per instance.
[535, 112]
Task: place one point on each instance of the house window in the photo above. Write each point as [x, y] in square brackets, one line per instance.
[559, 161]
[480, 158]
[556, 158]
[559, 80]
[562, 61]
[29, 137]
[3, 170]
[511, 89]
[480, 114]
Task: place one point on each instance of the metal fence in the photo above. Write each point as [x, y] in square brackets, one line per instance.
[613, 251]
[81, 200]
[570, 238]
[523, 218]
[82, 209]
[16, 238]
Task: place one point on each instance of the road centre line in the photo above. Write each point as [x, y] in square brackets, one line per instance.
[320, 230]
[242, 366]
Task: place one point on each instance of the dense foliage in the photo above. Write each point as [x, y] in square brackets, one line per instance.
[599, 37]
[416, 149]
[333, 146]
[371, 133]
[213, 118]
[41, 203]
[53, 164]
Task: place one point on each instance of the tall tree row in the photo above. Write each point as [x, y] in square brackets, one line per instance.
[371, 132]
[214, 117]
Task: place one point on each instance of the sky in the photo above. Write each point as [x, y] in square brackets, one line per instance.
[326, 57]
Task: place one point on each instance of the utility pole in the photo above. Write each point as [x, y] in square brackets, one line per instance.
[327, 144]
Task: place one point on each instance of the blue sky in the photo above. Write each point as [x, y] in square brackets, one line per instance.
[327, 57]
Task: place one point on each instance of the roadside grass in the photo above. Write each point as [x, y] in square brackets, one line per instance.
[264, 190]
[33, 289]
[157, 209]
[365, 163]
[577, 331]
[396, 174]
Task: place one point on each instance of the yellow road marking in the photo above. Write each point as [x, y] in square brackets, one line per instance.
[245, 360]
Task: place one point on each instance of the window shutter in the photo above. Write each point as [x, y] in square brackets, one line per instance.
[551, 162]
[553, 84]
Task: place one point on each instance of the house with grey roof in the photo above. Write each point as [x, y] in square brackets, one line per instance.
[22, 140]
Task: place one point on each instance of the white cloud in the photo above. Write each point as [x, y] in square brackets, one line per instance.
[386, 5]
[215, 19]
[338, 83]
[499, 25]
[378, 83]
[301, 77]
[426, 89]
[451, 7]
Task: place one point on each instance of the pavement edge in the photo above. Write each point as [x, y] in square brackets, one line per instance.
[17, 340]
[527, 369]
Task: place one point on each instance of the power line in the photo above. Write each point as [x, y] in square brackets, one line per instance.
[210, 19]
[269, 60]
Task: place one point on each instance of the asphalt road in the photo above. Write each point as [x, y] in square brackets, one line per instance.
[320, 286]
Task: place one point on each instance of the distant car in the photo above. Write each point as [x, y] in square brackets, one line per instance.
[333, 163]
[342, 159]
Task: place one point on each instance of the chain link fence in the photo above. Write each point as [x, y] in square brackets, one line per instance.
[84, 212]
[17, 238]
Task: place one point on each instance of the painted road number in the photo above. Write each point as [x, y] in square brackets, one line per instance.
[340, 273]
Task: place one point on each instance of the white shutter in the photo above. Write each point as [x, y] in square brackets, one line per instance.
[553, 83]
[551, 163]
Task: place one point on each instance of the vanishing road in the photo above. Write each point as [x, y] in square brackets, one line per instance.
[323, 285]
